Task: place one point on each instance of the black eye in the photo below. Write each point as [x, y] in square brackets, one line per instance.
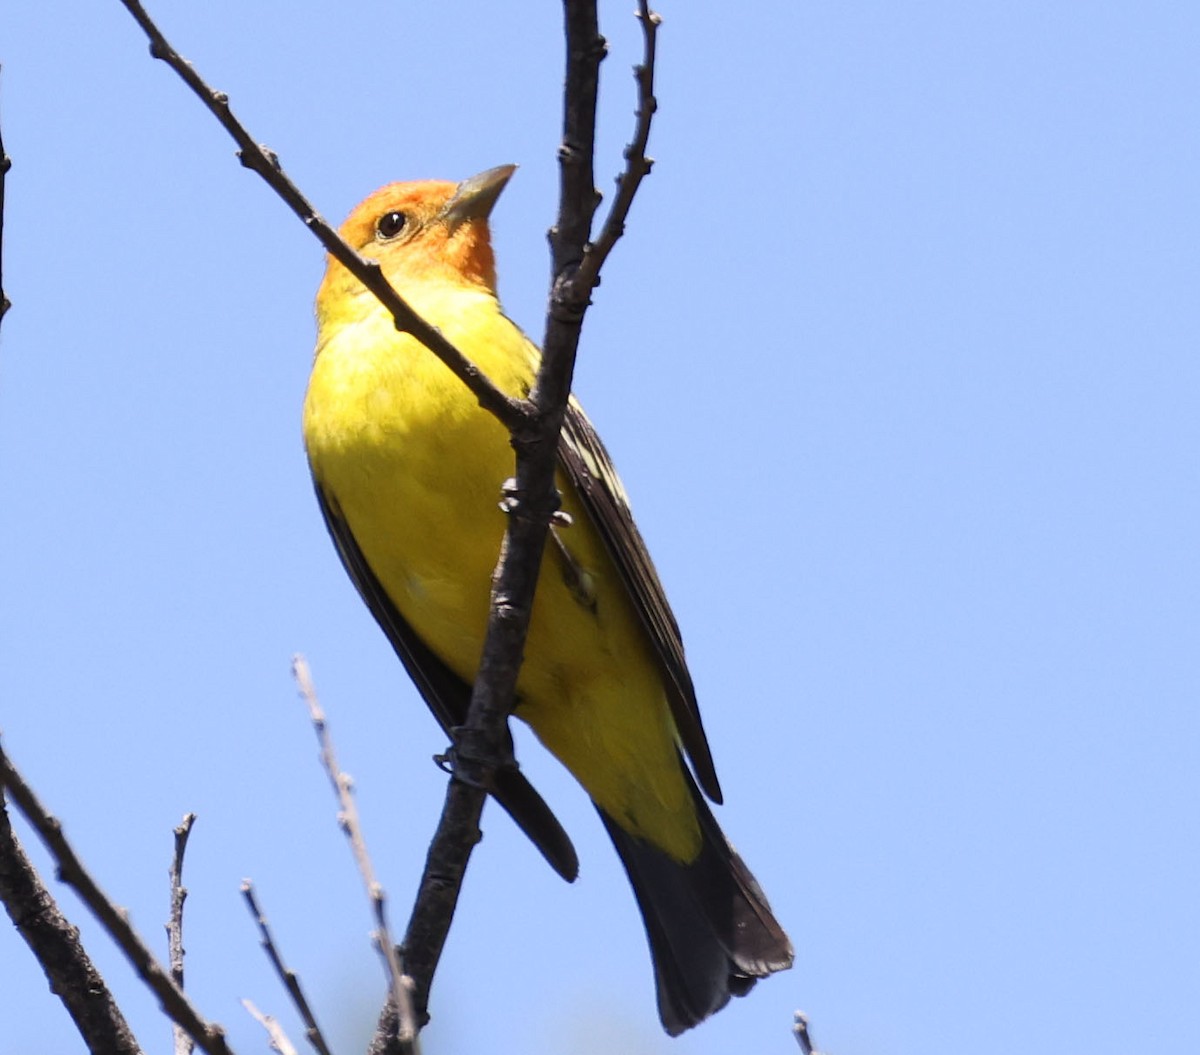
[390, 224]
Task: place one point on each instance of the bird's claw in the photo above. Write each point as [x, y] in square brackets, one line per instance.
[512, 499]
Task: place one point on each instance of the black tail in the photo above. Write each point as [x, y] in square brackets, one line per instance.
[711, 931]
[533, 816]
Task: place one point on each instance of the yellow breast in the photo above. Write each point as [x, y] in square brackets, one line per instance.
[416, 467]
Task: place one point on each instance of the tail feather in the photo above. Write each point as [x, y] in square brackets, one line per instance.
[712, 934]
[522, 802]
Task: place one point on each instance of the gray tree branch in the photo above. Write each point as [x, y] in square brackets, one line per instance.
[56, 945]
[175, 951]
[258, 158]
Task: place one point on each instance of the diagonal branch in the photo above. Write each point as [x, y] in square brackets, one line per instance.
[55, 944]
[289, 978]
[399, 993]
[800, 1032]
[266, 163]
[210, 1037]
[279, 1039]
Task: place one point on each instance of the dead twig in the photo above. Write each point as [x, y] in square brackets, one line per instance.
[56, 946]
[637, 164]
[800, 1032]
[399, 987]
[287, 976]
[279, 1039]
[183, 1041]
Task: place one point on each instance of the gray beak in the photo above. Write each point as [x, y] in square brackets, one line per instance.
[475, 197]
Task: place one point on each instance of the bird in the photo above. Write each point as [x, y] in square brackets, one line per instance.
[408, 470]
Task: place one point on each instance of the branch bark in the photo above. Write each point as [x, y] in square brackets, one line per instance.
[175, 951]
[56, 945]
[800, 1032]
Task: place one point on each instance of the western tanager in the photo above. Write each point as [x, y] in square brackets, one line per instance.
[408, 470]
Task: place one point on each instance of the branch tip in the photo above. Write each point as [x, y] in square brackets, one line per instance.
[288, 977]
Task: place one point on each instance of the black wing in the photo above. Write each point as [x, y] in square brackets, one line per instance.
[590, 469]
[448, 696]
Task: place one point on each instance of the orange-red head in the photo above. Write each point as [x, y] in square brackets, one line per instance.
[429, 230]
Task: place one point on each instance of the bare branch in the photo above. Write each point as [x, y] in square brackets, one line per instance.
[210, 1037]
[578, 199]
[399, 988]
[266, 163]
[55, 944]
[183, 1041]
[437, 895]
[480, 745]
[5, 165]
[279, 1039]
[800, 1032]
[637, 164]
[286, 975]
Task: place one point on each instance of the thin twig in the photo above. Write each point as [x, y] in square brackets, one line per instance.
[210, 1037]
[399, 987]
[637, 164]
[57, 948]
[5, 165]
[800, 1032]
[578, 199]
[183, 1041]
[265, 162]
[279, 1039]
[287, 976]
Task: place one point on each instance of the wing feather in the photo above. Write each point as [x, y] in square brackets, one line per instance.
[589, 467]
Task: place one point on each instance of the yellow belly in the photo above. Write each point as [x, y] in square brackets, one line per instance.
[416, 469]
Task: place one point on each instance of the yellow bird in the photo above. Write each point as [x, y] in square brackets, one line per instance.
[408, 470]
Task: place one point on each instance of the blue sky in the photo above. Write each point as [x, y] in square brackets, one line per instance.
[899, 363]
